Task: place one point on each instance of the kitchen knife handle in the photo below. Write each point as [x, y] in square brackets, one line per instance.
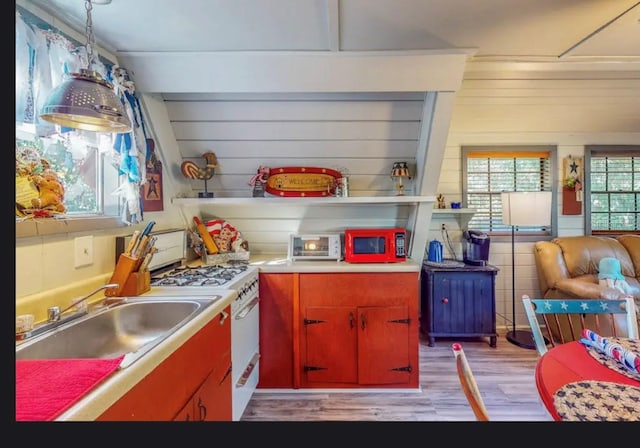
[147, 230]
[145, 262]
[132, 243]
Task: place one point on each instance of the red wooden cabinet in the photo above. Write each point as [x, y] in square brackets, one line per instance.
[212, 400]
[363, 345]
[276, 330]
[358, 330]
[167, 392]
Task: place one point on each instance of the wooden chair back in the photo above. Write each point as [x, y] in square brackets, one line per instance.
[564, 319]
[468, 383]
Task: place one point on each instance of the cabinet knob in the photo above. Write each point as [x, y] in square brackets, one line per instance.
[445, 300]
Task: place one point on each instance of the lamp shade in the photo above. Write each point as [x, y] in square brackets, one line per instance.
[400, 169]
[526, 208]
[86, 101]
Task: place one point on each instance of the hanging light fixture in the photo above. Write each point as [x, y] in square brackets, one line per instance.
[85, 100]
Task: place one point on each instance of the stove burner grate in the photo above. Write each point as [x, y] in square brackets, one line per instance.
[207, 275]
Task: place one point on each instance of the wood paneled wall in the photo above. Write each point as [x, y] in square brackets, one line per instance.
[360, 135]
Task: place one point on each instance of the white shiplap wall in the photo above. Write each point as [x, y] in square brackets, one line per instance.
[360, 135]
[569, 110]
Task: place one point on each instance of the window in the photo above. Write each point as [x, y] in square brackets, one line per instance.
[98, 175]
[489, 171]
[612, 189]
[79, 160]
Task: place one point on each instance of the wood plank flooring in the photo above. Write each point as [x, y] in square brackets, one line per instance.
[505, 377]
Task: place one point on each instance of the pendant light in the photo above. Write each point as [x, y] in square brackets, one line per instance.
[85, 100]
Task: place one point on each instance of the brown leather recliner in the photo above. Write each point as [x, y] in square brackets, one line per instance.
[568, 266]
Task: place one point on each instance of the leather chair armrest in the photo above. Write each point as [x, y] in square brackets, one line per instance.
[582, 288]
[549, 264]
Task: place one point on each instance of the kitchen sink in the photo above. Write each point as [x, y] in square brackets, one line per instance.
[130, 327]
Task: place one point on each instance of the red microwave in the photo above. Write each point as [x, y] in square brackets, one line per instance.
[375, 245]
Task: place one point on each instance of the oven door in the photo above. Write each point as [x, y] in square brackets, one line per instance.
[245, 354]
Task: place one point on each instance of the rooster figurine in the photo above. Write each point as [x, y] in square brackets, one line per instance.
[192, 171]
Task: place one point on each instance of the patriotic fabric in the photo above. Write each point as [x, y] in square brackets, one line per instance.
[627, 358]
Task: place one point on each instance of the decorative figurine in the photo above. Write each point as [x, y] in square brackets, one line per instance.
[192, 171]
[258, 181]
[441, 203]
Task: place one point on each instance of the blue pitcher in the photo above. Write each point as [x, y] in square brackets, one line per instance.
[435, 251]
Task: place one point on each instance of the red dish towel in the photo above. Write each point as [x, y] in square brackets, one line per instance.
[45, 388]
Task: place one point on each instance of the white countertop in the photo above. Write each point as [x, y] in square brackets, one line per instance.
[275, 263]
[121, 381]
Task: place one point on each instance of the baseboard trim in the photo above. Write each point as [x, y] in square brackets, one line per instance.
[359, 390]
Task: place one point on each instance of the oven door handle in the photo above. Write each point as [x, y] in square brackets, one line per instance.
[248, 371]
[247, 309]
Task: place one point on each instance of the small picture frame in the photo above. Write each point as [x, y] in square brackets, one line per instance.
[152, 200]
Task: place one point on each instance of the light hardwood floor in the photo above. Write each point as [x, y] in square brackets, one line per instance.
[505, 377]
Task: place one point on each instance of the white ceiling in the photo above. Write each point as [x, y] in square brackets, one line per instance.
[496, 30]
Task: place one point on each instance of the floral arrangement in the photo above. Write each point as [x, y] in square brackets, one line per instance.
[573, 183]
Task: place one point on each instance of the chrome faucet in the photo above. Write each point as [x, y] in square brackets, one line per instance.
[55, 316]
[54, 312]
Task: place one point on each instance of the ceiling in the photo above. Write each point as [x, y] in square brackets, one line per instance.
[493, 30]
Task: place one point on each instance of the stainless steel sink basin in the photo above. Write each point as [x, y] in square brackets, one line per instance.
[130, 327]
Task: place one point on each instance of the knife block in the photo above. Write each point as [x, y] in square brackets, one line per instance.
[137, 283]
[132, 283]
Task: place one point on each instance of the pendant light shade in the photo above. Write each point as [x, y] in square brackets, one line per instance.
[85, 100]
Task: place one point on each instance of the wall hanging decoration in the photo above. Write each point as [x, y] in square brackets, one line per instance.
[152, 198]
[191, 170]
[293, 181]
[572, 193]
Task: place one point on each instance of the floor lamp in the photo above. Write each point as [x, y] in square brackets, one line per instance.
[531, 208]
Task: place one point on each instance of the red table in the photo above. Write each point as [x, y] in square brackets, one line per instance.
[568, 363]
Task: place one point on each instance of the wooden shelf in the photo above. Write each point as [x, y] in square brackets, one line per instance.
[454, 211]
[368, 200]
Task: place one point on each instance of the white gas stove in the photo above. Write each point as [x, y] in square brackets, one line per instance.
[203, 279]
[237, 278]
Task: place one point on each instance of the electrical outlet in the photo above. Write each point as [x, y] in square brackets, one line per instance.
[83, 251]
[444, 226]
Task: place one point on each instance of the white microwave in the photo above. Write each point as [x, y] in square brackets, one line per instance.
[326, 246]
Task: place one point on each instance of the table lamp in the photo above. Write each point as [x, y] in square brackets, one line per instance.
[399, 171]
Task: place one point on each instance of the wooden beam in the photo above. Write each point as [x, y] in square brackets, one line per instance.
[294, 72]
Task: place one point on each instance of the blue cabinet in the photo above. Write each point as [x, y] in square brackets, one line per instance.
[458, 302]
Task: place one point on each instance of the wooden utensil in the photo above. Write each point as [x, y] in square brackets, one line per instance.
[209, 244]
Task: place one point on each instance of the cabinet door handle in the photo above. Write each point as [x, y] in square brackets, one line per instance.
[445, 300]
[203, 409]
[363, 321]
[351, 321]
[224, 315]
[226, 374]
